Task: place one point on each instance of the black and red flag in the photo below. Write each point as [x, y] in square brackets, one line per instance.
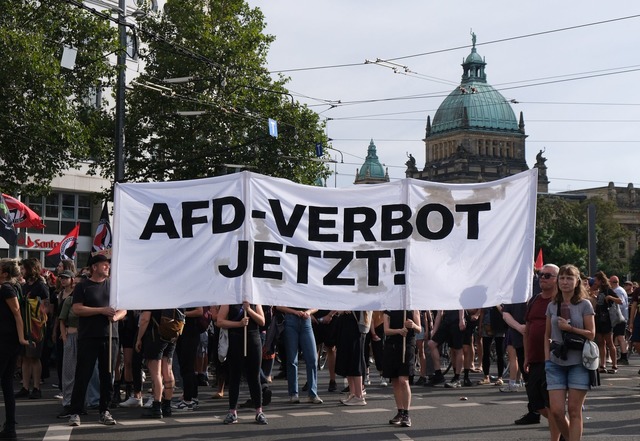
[22, 216]
[7, 231]
[102, 238]
[67, 248]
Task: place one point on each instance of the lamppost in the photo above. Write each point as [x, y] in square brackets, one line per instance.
[120, 93]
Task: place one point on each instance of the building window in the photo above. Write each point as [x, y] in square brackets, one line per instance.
[60, 212]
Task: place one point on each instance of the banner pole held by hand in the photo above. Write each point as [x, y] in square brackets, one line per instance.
[404, 338]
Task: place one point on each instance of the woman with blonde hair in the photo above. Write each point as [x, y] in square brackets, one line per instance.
[567, 379]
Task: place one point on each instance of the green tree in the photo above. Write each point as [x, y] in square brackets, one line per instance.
[48, 122]
[562, 233]
[221, 47]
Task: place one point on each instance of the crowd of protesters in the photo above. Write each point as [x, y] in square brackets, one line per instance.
[100, 353]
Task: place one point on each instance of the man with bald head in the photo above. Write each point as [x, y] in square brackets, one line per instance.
[534, 357]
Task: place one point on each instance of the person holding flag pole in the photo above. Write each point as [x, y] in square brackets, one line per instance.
[244, 354]
[400, 328]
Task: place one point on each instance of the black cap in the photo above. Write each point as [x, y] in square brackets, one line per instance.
[97, 259]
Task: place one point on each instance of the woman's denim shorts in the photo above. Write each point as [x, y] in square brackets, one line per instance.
[566, 377]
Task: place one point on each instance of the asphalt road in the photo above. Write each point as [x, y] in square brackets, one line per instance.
[475, 413]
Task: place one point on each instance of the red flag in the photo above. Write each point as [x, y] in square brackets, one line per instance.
[102, 239]
[539, 263]
[67, 248]
[23, 216]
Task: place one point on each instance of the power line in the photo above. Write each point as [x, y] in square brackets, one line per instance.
[501, 40]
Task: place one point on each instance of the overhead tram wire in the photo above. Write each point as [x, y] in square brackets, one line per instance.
[500, 40]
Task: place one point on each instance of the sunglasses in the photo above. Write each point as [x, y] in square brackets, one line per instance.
[547, 275]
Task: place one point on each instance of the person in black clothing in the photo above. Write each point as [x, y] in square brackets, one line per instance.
[241, 320]
[186, 348]
[34, 287]
[96, 317]
[159, 356]
[400, 328]
[11, 340]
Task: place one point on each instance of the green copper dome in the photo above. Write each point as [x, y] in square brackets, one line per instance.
[474, 104]
[371, 169]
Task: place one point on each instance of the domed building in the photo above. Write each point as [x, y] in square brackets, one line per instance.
[371, 172]
[475, 135]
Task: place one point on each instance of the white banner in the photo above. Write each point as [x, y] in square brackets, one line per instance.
[407, 244]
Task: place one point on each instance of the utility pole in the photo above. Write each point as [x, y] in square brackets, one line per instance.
[120, 93]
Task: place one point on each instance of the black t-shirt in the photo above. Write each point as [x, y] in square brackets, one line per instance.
[95, 295]
[8, 332]
[236, 313]
[36, 289]
[396, 321]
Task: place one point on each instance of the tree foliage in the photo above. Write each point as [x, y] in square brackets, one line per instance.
[48, 123]
[221, 47]
[562, 233]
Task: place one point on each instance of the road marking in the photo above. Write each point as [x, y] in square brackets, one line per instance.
[422, 407]
[590, 398]
[317, 413]
[140, 422]
[58, 433]
[403, 437]
[462, 405]
[369, 410]
[207, 419]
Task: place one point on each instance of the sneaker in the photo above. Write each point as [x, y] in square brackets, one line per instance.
[396, 419]
[131, 402]
[315, 400]
[58, 396]
[66, 413]
[294, 399]
[147, 404]
[434, 380]
[509, 388]
[332, 386]
[355, 401]
[22, 393]
[405, 421]
[74, 420]
[624, 361]
[421, 381]
[184, 406]
[367, 380]
[467, 383]
[453, 384]
[231, 418]
[35, 394]
[383, 382]
[261, 419]
[528, 418]
[106, 419]
[345, 390]
[203, 380]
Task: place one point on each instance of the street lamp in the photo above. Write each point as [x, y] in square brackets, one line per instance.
[120, 93]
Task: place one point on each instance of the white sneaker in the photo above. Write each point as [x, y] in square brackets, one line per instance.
[74, 420]
[367, 380]
[355, 401]
[294, 399]
[147, 404]
[315, 400]
[132, 402]
[383, 382]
